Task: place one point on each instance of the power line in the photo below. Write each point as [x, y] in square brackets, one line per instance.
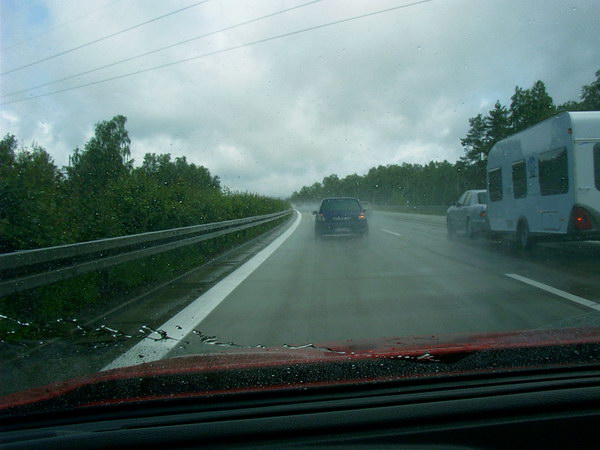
[103, 38]
[87, 72]
[216, 52]
[60, 25]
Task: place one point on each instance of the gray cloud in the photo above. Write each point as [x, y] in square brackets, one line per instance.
[269, 118]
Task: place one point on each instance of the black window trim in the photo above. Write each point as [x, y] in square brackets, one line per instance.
[596, 157]
[495, 195]
[522, 193]
[544, 188]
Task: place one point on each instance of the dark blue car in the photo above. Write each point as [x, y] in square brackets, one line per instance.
[340, 216]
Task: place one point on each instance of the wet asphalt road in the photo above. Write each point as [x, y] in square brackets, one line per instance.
[406, 278]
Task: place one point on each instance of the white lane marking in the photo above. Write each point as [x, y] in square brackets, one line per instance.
[552, 290]
[391, 232]
[181, 324]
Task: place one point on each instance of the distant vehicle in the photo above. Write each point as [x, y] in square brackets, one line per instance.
[469, 214]
[544, 182]
[367, 207]
[340, 216]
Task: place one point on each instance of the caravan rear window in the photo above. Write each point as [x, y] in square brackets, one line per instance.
[495, 184]
[554, 172]
[519, 179]
[597, 165]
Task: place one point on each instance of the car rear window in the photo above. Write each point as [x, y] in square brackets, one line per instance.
[340, 204]
[482, 198]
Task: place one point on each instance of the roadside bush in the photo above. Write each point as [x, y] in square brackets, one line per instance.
[101, 194]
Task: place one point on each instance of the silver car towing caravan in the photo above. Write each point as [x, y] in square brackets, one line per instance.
[544, 182]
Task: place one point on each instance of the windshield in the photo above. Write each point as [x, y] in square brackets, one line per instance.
[340, 204]
[161, 164]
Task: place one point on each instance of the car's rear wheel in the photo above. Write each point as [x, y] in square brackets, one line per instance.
[469, 229]
[450, 228]
[524, 240]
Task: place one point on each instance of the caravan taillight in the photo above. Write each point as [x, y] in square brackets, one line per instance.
[581, 219]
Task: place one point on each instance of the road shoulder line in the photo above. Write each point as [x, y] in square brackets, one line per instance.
[391, 232]
[157, 345]
[555, 291]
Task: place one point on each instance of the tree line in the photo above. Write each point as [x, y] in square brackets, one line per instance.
[101, 194]
[438, 183]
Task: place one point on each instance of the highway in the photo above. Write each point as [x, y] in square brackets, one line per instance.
[405, 279]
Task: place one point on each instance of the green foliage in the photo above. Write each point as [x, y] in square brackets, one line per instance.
[30, 192]
[483, 133]
[438, 183]
[95, 177]
[530, 106]
[590, 95]
[94, 293]
[590, 98]
[54, 301]
[101, 194]
[165, 194]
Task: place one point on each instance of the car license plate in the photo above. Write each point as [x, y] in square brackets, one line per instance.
[342, 230]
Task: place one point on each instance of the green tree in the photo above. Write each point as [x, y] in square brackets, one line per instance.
[105, 156]
[498, 126]
[165, 193]
[477, 147]
[95, 178]
[8, 148]
[590, 98]
[437, 183]
[483, 134]
[590, 95]
[530, 106]
[331, 186]
[30, 214]
[475, 143]
[8, 194]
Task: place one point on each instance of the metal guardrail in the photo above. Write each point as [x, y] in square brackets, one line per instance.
[48, 265]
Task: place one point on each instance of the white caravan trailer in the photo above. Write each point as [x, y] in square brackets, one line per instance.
[544, 182]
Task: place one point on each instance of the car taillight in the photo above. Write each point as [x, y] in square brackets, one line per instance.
[581, 219]
[320, 217]
[483, 213]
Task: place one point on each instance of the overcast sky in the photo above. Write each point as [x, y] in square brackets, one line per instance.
[273, 116]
